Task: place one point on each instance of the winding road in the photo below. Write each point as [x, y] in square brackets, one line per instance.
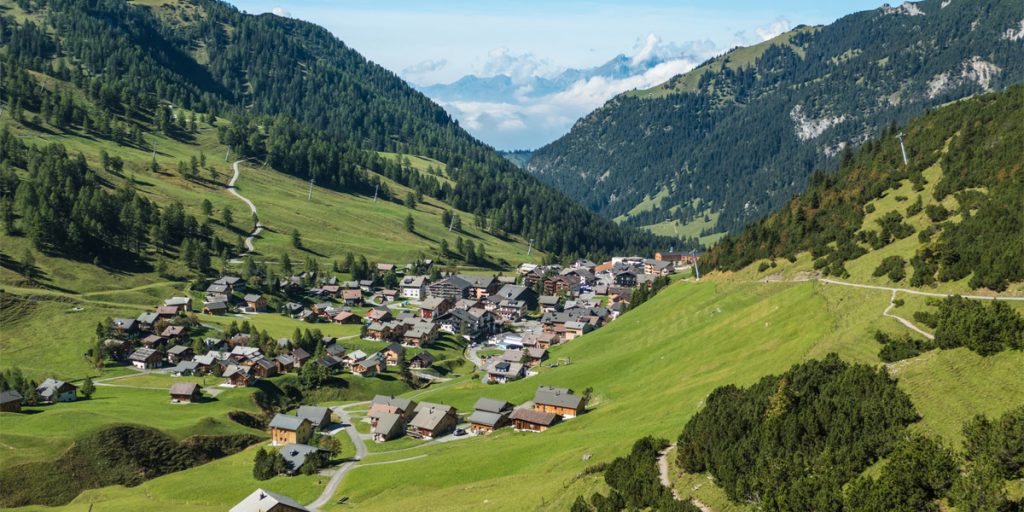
[249, 248]
[357, 440]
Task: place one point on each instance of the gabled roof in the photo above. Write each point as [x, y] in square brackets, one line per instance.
[177, 301]
[535, 417]
[178, 350]
[430, 417]
[558, 397]
[314, 414]
[228, 280]
[414, 281]
[262, 501]
[386, 423]
[184, 388]
[491, 405]
[295, 454]
[144, 354]
[286, 422]
[9, 396]
[433, 303]
[401, 403]
[148, 318]
[489, 419]
[51, 387]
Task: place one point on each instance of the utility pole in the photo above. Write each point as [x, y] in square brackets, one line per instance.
[696, 269]
[375, 189]
[309, 196]
[530, 249]
[451, 223]
[903, 149]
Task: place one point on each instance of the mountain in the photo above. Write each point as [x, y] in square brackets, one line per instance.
[953, 214]
[296, 96]
[734, 139]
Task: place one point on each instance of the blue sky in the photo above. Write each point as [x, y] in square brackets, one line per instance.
[439, 41]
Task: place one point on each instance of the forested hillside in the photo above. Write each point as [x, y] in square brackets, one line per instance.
[733, 140]
[969, 155]
[296, 96]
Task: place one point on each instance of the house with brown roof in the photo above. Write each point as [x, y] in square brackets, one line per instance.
[185, 392]
[352, 297]
[369, 367]
[530, 420]
[434, 307]
[422, 360]
[394, 354]
[346, 317]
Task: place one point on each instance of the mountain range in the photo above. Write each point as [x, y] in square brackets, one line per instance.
[727, 143]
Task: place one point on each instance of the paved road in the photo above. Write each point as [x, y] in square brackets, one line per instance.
[249, 248]
[357, 440]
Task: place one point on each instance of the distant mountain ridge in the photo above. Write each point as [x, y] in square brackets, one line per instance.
[736, 137]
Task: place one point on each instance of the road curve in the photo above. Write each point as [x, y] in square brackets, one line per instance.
[907, 323]
[332, 485]
[249, 248]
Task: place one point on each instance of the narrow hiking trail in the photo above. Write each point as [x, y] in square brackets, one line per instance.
[917, 292]
[249, 247]
[666, 481]
[907, 323]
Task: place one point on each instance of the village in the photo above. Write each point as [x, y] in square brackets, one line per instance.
[505, 327]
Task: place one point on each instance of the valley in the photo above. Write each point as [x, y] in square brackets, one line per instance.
[240, 263]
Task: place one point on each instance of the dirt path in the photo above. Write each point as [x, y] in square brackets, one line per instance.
[249, 247]
[917, 292]
[907, 323]
[666, 481]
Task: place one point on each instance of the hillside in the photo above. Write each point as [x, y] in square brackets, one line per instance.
[736, 137]
[951, 219]
[315, 110]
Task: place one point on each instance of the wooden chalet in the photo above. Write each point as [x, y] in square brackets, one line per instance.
[286, 429]
[531, 420]
[185, 392]
[560, 401]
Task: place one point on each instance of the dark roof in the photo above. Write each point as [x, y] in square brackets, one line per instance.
[558, 397]
[144, 354]
[286, 422]
[261, 501]
[489, 419]
[491, 405]
[314, 414]
[9, 396]
[295, 454]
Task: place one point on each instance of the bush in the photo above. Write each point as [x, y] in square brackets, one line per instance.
[763, 266]
[936, 212]
[893, 266]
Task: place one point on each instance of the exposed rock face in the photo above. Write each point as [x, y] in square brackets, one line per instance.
[808, 128]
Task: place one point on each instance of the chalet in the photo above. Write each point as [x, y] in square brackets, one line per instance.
[422, 360]
[218, 292]
[352, 297]
[146, 321]
[10, 401]
[535, 356]
[658, 268]
[392, 404]
[179, 353]
[215, 308]
[388, 426]
[292, 309]
[296, 455]
[384, 268]
[574, 330]
[451, 287]
[176, 332]
[500, 372]
[584, 275]
[560, 401]
[434, 307]
[530, 420]
[234, 283]
[354, 357]
[284, 362]
[548, 303]
[240, 339]
[333, 365]
[414, 287]
[255, 303]
[389, 295]
[557, 285]
[166, 312]
[290, 284]
[319, 417]
[285, 429]
[180, 304]
[380, 331]
[512, 356]
[369, 367]
[512, 310]
[266, 501]
[366, 285]
[125, 327]
[489, 415]
[53, 391]
[146, 358]
[263, 368]
[420, 334]
[335, 350]
[474, 323]
[239, 376]
[433, 420]
[515, 293]
[153, 340]
[242, 353]
[625, 278]
[332, 290]
[187, 369]
[394, 354]
[299, 356]
[185, 392]
[540, 340]
[346, 317]
[380, 314]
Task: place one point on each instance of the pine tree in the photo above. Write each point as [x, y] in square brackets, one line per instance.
[88, 388]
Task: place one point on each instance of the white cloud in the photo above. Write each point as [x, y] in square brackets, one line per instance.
[520, 67]
[426, 66]
[282, 12]
[775, 28]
